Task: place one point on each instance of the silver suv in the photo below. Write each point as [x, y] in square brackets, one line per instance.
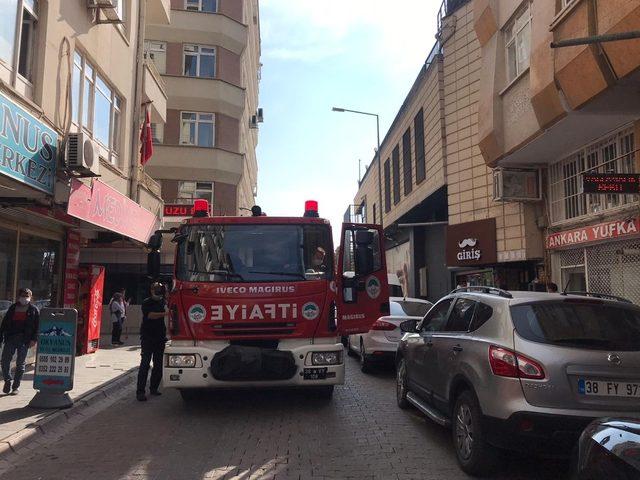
[520, 370]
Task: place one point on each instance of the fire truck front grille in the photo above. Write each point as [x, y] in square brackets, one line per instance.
[270, 328]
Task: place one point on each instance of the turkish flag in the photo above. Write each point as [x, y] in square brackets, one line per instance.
[146, 139]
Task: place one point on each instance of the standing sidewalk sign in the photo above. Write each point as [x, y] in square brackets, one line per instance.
[55, 358]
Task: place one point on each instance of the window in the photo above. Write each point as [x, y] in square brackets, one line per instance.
[210, 6]
[395, 158]
[375, 217]
[482, 314]
[199, 61]
[21, 16]
[437, 316]
[406, 161]
[157, 133]
[387, 186]
[461, 315]
[27, 38]
[579, 324]
[518, 43]
[189, 191]
[407, 308]
[612, 154]
[418, 136]
[197, 129]
[157, 52]
[96, 107]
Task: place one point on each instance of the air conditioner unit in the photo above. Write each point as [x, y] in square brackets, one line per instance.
[111, 9]
[81, 155]
[517, 185]
[253, 122]
[260, 115]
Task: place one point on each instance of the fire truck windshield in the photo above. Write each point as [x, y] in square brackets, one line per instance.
[254, 253]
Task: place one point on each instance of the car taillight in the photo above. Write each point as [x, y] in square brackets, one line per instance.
[382, 325]
[506, 363]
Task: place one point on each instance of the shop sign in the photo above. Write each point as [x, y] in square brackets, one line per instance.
[594, 233]
[472, 243]
[56, 350]
[611, 183]
[105, 207]
[71, 269]
[28, 148]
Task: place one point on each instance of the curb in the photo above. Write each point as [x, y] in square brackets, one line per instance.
[15, 443]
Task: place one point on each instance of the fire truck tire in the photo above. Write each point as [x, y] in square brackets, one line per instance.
[189, 394]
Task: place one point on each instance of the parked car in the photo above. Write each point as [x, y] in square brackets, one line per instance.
[521, 370]
[610, 448]
[381, 342]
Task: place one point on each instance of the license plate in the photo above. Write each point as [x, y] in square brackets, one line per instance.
[314, 373]
[602, 388]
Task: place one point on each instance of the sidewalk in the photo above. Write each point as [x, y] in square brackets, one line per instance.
[91, 373]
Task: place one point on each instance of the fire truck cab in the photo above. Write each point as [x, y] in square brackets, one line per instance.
[259, 301]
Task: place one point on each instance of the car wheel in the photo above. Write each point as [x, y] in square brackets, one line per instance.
[475, 455]
[365, 363]
[350, 351]
[401, 384]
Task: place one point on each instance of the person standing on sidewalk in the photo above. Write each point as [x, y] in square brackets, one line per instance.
[18, 331]
[153, 336]
[117, 311]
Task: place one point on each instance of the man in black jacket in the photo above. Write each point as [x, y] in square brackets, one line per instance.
[153, 336]
[18, 331]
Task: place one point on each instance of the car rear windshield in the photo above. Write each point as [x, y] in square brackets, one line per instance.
[409, 309]
[582, 324]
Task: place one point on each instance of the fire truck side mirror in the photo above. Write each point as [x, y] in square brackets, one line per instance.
[155, 241]
[153, 264]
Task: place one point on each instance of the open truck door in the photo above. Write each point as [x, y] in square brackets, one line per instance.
[363, 289]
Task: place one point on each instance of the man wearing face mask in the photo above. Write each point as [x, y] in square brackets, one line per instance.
[18, 331]
[153, 336]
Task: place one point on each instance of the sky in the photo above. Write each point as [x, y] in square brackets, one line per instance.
[357, 54]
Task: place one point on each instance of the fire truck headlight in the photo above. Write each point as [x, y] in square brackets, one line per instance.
[326, 358]
[182, 361]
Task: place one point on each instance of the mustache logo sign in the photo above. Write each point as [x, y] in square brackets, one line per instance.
[468, 242]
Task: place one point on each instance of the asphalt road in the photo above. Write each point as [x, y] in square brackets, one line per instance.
[360, 434]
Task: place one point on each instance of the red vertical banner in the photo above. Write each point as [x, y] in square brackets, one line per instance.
[72, 261]
[91, 279]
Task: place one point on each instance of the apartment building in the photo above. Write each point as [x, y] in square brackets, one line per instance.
[209, 59]
[74, 86]
[438, 191]
[567, 112]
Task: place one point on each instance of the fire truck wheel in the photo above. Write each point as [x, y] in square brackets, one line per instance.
[189, 394]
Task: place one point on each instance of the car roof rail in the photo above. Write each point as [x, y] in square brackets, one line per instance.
[480, 289]
[605, 296]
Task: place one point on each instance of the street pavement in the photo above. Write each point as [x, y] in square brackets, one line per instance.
[242, 435]
[91, 372]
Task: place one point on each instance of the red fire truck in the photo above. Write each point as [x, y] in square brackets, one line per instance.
[258, 301]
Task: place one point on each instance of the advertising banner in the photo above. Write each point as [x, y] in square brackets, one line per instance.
[90, 307]
[56, 350]
[594, 233]
[106, 207]
[28, 148]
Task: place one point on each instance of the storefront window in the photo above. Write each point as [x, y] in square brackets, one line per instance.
[8, 240]
[38, 268]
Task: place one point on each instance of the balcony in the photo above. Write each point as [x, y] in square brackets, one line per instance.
[205, 95]
[158, 12]
[155, 92]
[202, 28]
[174, 162]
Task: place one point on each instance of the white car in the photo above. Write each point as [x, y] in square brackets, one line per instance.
[380, 343]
